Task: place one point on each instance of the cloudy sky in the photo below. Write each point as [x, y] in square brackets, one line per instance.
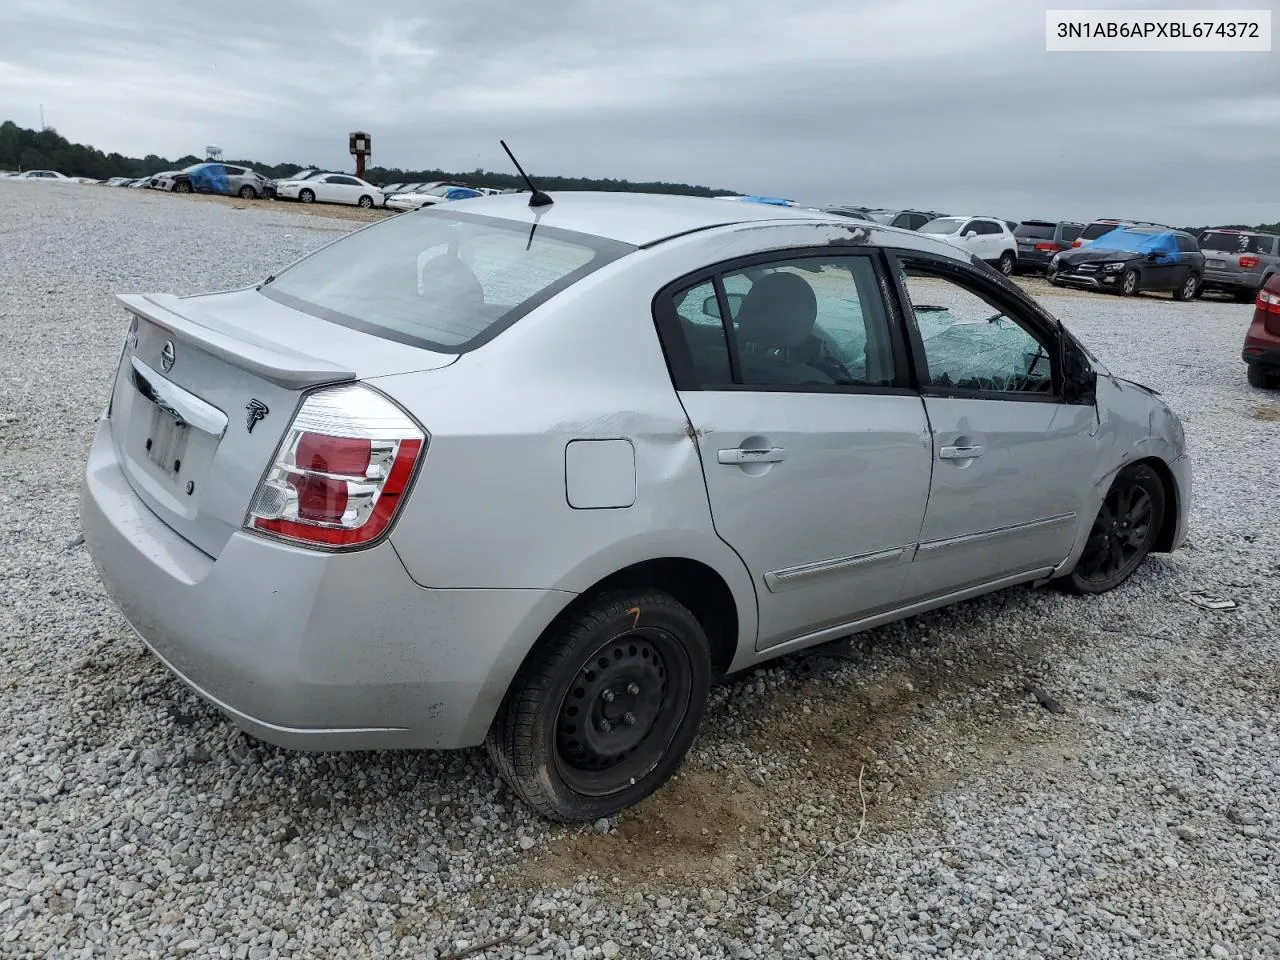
[945, 104]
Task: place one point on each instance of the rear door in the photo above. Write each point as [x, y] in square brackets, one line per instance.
[1012, 461]
[815, 451]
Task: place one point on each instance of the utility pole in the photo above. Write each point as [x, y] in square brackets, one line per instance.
[42, 126]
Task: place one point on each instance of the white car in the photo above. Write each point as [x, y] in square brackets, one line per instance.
[987, 238]
[431, 196]
[45, 175]
[331, 188]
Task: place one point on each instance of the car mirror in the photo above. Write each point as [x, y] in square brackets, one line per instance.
[1153, 255]
[970, 233]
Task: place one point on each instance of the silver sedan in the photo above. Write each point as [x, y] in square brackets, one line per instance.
[531, 476]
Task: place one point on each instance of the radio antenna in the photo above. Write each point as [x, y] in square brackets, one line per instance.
[537, 198]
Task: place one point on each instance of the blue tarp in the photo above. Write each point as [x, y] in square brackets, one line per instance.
[772, 201]
[1130, 241]
[209, 178]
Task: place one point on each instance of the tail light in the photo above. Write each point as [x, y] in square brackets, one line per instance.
[342, 471]
[1076, 243]
[1268, 302]
[1048, 247]
[1249, 262]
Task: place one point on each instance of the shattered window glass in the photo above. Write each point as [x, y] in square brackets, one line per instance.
[969, 343]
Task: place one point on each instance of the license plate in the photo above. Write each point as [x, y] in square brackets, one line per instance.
[1215, 263]
[1024, 246]
[166, 441]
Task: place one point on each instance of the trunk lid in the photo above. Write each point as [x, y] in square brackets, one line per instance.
[206, 388]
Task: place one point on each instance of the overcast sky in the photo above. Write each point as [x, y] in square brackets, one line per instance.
[945, 104]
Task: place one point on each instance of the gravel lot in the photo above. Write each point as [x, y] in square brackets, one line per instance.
[900, 796]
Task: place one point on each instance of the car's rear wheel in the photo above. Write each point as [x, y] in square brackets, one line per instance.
[248, 193]
[182, 186]
[366, 201]
[604, 711]
[1187, 290]
[1007, 263]
[1123, 533]
[306, 196]
[1261, 377]
[1129, 283]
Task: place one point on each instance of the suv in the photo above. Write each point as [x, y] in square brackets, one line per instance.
[1239, 262]
[1039, 240]
[1262, 342]
[1129, 260]
[987, 238]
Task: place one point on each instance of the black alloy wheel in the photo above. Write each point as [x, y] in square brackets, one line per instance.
[1123, 533]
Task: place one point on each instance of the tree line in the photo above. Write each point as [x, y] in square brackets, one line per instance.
[25, 149]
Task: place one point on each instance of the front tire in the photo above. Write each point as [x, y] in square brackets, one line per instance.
[1260, 377]
[1006, 263]
[1187, 289]
[1123, 533]
[248, 193]
[605, 709]
[306, 196]
[1129, 283]
[366, 202]
[182, 186]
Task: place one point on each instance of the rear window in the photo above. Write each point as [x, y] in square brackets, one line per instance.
[444, 281]
[1095, 230]
[1035, 231]
[1237, 242]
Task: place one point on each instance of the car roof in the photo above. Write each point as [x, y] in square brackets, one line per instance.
[638, 219]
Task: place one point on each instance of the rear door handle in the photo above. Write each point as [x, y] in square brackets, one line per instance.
[959, 453]
[741, 455]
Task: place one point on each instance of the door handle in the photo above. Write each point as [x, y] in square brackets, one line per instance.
[740, 456]
[959, 453]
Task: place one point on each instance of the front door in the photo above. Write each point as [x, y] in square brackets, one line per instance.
[1012, 461]
[815, 452]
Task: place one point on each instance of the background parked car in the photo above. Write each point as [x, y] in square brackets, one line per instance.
[853, 213]
[1100, 228]
[429, 197]
[1039, 240]
[986, 238]
[331, 188]
[1262, 341]
[1130, 260]
[220, 178]
[1239, 262]
[46, 176]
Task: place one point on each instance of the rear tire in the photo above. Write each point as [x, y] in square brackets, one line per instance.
[1126, 528]
[306, 196]
[1187, 289]
[605, 708]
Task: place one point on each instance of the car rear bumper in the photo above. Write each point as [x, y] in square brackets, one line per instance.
[1034, 259]
[1261, 346]
[1231, 280]
[303, 649]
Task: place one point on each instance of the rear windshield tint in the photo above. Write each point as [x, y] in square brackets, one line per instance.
[1237, 242]
[444, 281]
[1036, 231]
[1095, 230]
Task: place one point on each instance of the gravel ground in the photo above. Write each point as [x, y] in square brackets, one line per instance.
[901, 795]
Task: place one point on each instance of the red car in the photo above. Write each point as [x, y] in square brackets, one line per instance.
[1262, 342]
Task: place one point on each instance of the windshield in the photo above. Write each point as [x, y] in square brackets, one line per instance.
[446, 282]
[1237, 242]
[882, 216]
[943, 225]
[1035, 231]
[1125, 240]
[1095, 230]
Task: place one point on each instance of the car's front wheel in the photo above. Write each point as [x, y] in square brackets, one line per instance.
[182, 186]
[604, 711]
[366, 202]
[1129, 283]
[248, 193]
[306, 196]
[1006, 263]
[1123, 533]
[1187, 290]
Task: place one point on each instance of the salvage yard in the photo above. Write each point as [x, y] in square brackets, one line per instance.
[1024, 775]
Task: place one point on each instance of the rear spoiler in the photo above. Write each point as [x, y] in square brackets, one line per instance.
[271, 361]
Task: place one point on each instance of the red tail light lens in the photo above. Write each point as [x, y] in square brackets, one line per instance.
[1048, 247]
[1077, 243]
[341, 472]
[1249, 262]
[1268, 301]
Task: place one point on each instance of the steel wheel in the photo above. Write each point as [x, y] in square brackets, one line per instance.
[1123, 533]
